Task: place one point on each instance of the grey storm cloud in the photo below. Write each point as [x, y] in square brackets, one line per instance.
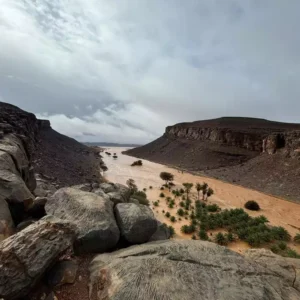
[122, 70]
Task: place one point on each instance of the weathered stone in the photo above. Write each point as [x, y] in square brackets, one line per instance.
[91, 213]
[62, 272]
[184, 270]
[6, 221]
[86, 187]
[25, 256]
[101, 193]
[289, 269]
[107, 187]
[44, 189]
[132, 200]
[136, 222]
[162, 233]
[124, 191]
[115, 197]
[24, 224]
[95, 185]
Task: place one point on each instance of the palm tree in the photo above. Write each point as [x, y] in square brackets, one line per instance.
[188, 187]
[204, 189]
[209, 192]
[198, 188]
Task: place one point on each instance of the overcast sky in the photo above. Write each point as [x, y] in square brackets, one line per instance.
[122, 70]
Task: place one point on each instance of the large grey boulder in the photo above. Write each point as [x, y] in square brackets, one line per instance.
[13, 146]
[162, 233]
[25, 256]
[136, 222]
[185, 270]
[107, 187]
[44, 188]
[94, 216]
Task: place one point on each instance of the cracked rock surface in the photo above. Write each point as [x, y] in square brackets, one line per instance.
[184, 270]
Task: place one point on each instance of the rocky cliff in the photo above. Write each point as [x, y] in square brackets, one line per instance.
[256, 153]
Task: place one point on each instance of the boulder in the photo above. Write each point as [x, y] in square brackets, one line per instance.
[85, 187]
[136, 222]
[133, 200]
[101, 193]
[162, 233]
[44, 189]
[24, 224]
[184, 270]
[124, 191]
[94, 216]
[25, 256]
[107, 187]
[283, 267]
[62, 272]
[115, 197]
[6, 221]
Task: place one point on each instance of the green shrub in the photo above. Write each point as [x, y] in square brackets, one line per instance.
[155, 203]
[181, 204]
[162, 188]
[180, 212]
[181, 191]
[167, 214]
[172, 231]
[171, 205]
[188, 229]
[150, 187]
[221, 239]
[144, 189]
[230, 237]
[161, 195]
[252, 205]
[173, 219]
[203, 235]
[281, 234]
[141, 197]
[291, 253]
[297, 238]
[163, 211]
[213, 208]
[282, 245]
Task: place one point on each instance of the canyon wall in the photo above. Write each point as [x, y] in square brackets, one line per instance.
[255, 153]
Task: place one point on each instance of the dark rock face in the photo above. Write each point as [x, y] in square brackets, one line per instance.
[93, 215]
[136, 222]
[162, 233]
[255, 153]
[25, 256]
[188, 270]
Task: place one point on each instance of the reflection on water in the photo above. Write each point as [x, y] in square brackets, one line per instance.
[279, 212]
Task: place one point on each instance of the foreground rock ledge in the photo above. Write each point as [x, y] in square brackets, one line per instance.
[25, 256]
[185, 270]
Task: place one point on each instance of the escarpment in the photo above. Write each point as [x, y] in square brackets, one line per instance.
[255, 153]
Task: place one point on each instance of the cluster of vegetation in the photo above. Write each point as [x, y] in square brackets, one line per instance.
[171, 229]
[252, 205]
[156, 203]
[161, 195]
[205, 189]
[168, 178]
[137, 163]
[136, 194]
[282, 249]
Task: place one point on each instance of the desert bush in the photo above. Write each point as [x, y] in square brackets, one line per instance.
[171, 205]
[252, 205]
[144, 189]
[188, 229]
[213, 208]
[180, 212]
[155, 203]
[167, 214]
[172, 231]
[167, 177]
[220, 239]
[162, 188]
[297, 238]
[181, 204]
[137, 163]
[161, 195]
[141, 197]
[203, 235]
[281, 234]
[172, 219]
[150, 187]
[230, 237]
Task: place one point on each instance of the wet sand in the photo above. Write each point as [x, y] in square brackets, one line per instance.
[279, 212]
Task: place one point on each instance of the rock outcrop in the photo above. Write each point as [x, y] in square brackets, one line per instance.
[25, 256]
[93, 215]
[256, 153]
[187, 270]
[136, 222]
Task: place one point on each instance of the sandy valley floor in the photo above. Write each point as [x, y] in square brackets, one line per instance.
[279, 212]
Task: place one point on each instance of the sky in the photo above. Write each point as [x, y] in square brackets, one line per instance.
[123, 70]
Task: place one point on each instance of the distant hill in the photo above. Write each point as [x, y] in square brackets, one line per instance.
[111, 144]
[256, 153]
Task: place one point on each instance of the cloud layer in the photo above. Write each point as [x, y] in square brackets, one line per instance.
[122, 70]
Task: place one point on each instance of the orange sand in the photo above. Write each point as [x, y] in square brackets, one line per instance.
[278, 211]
